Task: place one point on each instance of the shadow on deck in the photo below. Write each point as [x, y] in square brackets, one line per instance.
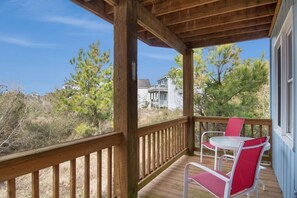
[170, 182]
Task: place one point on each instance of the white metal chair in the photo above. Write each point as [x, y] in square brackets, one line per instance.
[243, 177]
[233, 128]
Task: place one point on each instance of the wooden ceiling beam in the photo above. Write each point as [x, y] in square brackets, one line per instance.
[223, 27]
[153, 25]
[167, 7]
[234, 32]
[213, 9]
[243, 15]
[228, 39]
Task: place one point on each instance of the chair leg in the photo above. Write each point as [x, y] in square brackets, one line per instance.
[256, 192]
[201, 153]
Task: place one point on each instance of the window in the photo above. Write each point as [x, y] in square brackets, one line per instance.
[284, 78]
[289, 84]
[279, 87]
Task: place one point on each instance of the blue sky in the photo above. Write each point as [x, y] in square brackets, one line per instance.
[39, 37]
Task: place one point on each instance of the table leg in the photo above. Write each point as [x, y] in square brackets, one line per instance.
[215, 160]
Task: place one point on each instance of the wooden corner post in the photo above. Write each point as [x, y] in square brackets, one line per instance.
[125, 97]
[188, 97]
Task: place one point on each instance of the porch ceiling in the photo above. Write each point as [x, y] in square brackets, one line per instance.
[196, 23]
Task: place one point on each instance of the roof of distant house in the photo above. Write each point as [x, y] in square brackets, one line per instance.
[144, 83]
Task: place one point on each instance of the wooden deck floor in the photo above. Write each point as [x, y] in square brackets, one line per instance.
[170, 182]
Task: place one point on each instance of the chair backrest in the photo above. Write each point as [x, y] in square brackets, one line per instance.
[246, 165]
[234, 126]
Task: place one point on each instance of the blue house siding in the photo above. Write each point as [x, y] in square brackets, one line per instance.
[284, 158]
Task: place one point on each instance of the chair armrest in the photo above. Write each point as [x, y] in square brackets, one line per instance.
[197, 165]
[208, 132]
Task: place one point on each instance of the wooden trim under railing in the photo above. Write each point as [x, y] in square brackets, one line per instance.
[15, 165]
[159, 146]
[252, 128]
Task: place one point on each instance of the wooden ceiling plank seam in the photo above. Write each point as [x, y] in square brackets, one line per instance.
[167, 7]
[217, 8]
[224, 19]
[228, 33]
[278, 6]
[223, 27]
[229, 39]
[156, 27]
[261, 10]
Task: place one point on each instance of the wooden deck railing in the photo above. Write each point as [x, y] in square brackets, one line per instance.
[31, 162]
[159, 146]
[252, 128]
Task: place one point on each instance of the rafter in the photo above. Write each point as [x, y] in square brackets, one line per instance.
[234, 32]
[217, 8]
[228, 39]
[167, 7]
[222, 27]
[153, 25]
[229, 18]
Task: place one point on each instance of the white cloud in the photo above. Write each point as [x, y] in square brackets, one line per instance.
[24, 42]
[82, 23]
[157, 56]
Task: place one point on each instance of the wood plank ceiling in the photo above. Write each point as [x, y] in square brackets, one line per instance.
[200, 23]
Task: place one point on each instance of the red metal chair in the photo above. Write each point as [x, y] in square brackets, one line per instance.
[243, 177]
[233, 128]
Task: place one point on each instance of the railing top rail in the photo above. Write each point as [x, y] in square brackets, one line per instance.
[18, 164]
[159, 126]
[255, 121]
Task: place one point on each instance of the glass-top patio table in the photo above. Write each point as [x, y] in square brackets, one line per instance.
[230, 143]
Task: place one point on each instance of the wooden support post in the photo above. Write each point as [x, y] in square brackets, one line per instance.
[125, 97]
[188, 97]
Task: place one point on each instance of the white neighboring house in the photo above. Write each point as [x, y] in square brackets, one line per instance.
[165, 94]
[143, 94]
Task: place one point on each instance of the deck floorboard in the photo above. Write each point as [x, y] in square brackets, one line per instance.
[170, 182]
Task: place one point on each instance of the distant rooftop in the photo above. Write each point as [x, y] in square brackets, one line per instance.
[144, 83]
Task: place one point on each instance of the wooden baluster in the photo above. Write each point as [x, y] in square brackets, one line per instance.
[175, 140]
[56, 177]
[162, 147]
[252, 130]
[99, 174]
[73, 178]
[109, 172]
[11, 189]
[139, 157]
[166, 145]
[200, 133]
[87, 177]
[179, 134]
[261, 130]
[158, 148]
[183, 135]
[243, 130]
[154, 151]
[35, 184]
[143, 157]
[149, 154]
[171, 142]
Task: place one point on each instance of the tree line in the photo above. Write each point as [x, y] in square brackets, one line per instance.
[224, 85]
